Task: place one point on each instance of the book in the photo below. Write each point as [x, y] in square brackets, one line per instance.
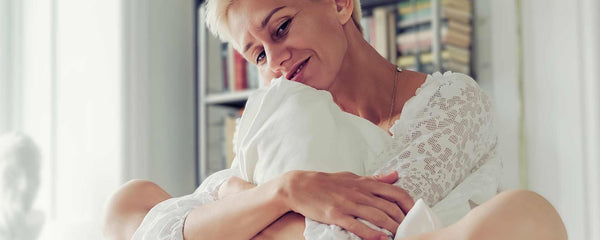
[240, 75]
[459, 54]
[224, 67]
[408, 7]
[460, 4]
[459, 27]
[425, 58]
[407, 61]
[420, 14]
[458, 14]
[458, 39]
[459, 67]
[414, 40]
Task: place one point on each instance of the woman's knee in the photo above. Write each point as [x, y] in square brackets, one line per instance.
[517, 211]
[127, 207]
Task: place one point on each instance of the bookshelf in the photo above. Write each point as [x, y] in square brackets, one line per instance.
[420, 35]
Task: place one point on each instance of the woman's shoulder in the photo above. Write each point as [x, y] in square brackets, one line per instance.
[451, 80]
[443, 92]
[448, 85]
[443, 98]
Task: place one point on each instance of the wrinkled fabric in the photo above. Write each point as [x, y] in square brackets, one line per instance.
[443, 147]
[445, 137]
[291, 126]
[420, 219]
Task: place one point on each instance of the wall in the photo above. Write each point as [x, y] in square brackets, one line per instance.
[158, 89]
[61, 85]
[561, 104]
[504, 86]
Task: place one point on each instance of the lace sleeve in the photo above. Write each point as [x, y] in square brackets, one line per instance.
[444, 134]
[165, 220]
[448, 134]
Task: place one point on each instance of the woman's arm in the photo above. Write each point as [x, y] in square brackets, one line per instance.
[335, 198]
[239, 216]
[290, 225]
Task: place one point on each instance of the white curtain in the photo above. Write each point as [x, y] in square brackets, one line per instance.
[60, 83]
[561, 73]
[106, 90]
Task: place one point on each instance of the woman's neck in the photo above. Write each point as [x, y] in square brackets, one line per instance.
[364, 84]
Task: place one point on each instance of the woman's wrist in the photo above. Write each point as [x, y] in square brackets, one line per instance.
[289, 226]
[280, 191]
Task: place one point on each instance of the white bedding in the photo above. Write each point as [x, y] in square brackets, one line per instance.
[443, 147]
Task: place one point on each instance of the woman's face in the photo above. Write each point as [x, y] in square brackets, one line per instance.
[302, 40]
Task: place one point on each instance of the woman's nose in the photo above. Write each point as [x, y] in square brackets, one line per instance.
[277, 57]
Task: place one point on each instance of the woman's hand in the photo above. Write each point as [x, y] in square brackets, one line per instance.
[340, 198]
[232, 186]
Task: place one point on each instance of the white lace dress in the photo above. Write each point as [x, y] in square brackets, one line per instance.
[443, 147]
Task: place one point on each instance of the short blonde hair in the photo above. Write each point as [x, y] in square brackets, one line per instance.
[216, 17]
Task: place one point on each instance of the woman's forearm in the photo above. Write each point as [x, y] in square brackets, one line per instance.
[239, 216]
[289, 226]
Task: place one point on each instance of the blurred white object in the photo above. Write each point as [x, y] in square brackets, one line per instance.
[19, 183]
[291, 126]
[420, 219]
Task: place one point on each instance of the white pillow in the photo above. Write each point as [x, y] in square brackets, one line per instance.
[292, 126]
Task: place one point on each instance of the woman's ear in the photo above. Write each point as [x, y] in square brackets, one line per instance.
[344, 10]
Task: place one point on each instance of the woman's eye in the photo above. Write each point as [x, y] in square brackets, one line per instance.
[261, 56]
[283, 28]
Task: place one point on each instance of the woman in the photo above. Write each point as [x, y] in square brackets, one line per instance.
[441, 127]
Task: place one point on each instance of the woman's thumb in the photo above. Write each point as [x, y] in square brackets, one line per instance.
[390, 177]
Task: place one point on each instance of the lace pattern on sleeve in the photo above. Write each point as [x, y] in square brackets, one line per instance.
[444, 134]
[165, 220]
[447, 135]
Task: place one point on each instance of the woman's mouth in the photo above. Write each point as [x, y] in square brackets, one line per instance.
[298, 75]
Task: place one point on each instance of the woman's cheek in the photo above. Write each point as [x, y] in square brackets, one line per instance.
[267, 75]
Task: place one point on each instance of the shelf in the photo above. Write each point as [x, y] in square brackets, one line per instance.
[232, 99]
[367, 4]
[413, 23]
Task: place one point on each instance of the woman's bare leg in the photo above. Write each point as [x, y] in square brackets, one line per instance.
[128, 206]
[515, 214]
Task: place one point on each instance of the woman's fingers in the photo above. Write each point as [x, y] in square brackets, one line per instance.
[374, 216]
[390, 177]
[392, 194]
[390, 208]
[360, 229]
[402, 198]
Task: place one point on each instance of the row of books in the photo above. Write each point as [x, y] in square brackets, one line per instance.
[459, 40]
[222, 122]
[236, 73]
[403, 34]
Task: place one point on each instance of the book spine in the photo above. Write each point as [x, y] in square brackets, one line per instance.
[224, 66]
[241, 79]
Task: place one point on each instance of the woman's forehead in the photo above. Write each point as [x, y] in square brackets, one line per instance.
[245, 16]
[254, 12]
